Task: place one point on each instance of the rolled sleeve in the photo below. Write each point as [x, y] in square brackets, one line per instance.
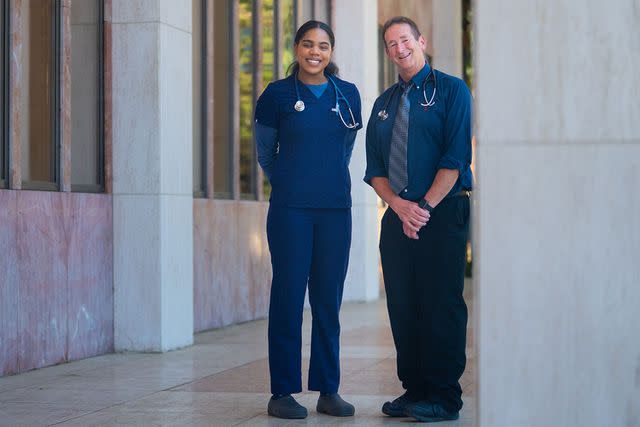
[457, 147]
[375, 159]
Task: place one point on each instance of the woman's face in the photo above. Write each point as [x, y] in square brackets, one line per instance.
[313, 52]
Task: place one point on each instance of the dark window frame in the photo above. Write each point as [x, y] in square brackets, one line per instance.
[202, 190]
[4, 95]
[55, 146]
[233, 187]
[100, 178]
[234, 94]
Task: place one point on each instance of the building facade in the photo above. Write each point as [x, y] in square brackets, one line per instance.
[132, 208]
[132, 211]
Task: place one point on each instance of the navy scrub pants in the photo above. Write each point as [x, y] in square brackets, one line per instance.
[308, 246]
[424, 280]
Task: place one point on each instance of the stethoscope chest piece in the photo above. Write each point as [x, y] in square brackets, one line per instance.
[299, 105]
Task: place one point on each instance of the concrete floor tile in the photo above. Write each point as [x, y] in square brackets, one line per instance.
[29, 414]
[82, 399]
[222, 380]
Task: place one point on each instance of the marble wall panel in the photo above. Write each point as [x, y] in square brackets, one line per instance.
[90, 275]
[56, 289]
[579, 44]
[557, 286]
[355, 25]
[136, 261]
[257, 262]
[135, 118]
[232, 266]
[128, 11]
[42, 266]
[8, 283]
[176, 271]
[175, 109]
[176, 14]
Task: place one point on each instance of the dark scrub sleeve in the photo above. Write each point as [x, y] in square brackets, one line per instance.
[457, 148]
[267, 108]
[265, 131]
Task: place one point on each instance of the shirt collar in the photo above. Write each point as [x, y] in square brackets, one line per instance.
[418, 78]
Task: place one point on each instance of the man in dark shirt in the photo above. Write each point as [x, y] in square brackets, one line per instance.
[418, 162]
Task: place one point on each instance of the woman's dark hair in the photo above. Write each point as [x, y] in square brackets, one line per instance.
[331, 68]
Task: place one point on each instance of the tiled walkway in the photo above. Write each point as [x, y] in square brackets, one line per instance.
[221, 381]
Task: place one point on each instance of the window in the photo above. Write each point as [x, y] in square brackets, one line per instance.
[199, 96]
[87, 94]
[248, 48]
[289, 27]
[4, 86]
[252, 46]
[38, 95]
[222, 91]
[271, 69]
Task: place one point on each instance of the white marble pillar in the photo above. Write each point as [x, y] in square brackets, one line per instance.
[356, 54]
[447, 36]
[152, 174]
[557, 272]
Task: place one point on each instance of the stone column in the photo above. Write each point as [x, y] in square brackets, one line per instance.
[557, 271]
[152, 175]
[447, 36]
[356, 54]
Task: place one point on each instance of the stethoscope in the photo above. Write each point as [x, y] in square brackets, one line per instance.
[382, 114]
[299, 105]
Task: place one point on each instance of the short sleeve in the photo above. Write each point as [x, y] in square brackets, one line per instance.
[375, 159]
[267, 108]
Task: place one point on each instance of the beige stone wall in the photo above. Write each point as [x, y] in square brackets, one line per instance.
[557, 237]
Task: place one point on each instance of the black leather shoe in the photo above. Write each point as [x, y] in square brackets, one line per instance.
[396, 407]
[286, 407]
[333, 404]
[429, 412]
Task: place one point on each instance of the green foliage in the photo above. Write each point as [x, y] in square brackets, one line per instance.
[269, 73]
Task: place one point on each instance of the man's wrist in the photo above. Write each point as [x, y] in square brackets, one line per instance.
[424, 204]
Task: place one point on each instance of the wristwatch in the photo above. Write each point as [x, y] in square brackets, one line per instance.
[425, 205]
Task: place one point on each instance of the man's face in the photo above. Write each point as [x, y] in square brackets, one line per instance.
[403, 48]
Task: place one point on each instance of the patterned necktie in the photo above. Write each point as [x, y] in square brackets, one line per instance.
[398, 178]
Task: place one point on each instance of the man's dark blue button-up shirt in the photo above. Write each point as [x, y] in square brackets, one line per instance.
[439, 136]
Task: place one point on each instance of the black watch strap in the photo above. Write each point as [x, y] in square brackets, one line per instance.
[425, 205]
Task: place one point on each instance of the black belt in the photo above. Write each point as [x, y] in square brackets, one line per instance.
[461, 193]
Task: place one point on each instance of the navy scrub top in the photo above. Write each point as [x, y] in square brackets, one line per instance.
[310, 169]
[439, 136]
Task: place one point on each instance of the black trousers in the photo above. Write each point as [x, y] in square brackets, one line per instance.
[424, 280]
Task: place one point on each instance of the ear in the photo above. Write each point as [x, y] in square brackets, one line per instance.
[386, 50]
[423, 43]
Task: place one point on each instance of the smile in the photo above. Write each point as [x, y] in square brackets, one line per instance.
[313, 61]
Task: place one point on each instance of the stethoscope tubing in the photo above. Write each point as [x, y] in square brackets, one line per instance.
[383, 114]
[299, 105]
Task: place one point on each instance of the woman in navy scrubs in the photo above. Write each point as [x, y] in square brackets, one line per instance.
[305, 127]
